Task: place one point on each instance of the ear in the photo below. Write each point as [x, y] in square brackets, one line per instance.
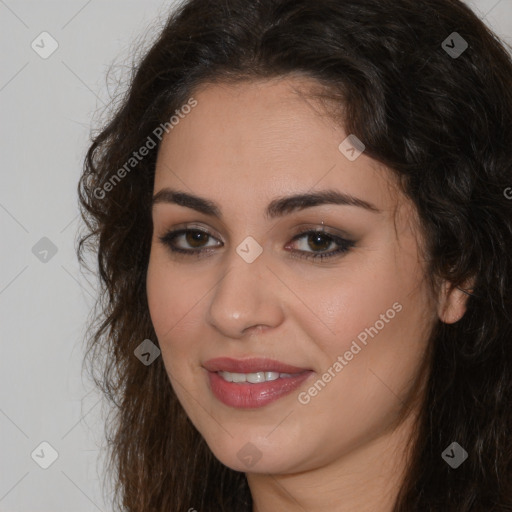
[452, 301]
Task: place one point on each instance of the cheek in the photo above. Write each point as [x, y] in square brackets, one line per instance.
[160, 295]
[370, 364]
[347, 304]
[169, 304]
[176, 310]
[378, 321]
[171, 295]
[167, 301]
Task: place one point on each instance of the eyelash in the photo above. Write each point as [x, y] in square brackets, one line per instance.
[344, 245]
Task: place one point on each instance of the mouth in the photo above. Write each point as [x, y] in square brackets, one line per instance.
[252, 383]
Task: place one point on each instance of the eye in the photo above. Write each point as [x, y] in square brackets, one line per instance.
[194, 237]
[320, 240]
[317, 240]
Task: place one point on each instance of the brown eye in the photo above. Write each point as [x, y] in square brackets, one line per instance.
[315, 247]
[194, 238]
[318, 242]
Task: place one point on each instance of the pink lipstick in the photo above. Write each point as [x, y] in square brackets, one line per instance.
[252, 383]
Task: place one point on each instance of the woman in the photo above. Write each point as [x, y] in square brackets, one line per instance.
[303, 231]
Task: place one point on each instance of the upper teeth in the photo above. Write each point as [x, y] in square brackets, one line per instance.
[253, 378]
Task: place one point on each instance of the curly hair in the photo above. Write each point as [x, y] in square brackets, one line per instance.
[441, 122]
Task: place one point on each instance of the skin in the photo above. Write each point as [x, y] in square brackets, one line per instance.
[241, 147]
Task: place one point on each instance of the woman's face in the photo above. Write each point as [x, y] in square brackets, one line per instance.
[353, 325]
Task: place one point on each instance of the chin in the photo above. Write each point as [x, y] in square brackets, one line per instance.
[256, 454]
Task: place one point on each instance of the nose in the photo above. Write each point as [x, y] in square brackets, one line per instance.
[246, 299]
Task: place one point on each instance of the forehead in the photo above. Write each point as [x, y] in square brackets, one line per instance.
[261, 139]
[233, 123]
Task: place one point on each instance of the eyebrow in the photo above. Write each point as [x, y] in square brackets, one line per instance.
[277, 208]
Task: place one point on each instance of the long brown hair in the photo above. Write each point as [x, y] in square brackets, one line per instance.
[441, 121]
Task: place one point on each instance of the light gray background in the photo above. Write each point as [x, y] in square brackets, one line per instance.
[46, 110]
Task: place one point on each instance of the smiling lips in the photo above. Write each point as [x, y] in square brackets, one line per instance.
[252, 383]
